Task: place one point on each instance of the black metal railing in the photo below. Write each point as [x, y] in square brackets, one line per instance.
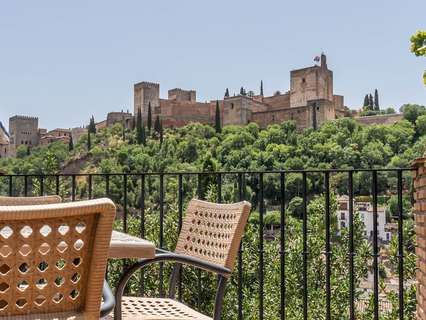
[70, 187]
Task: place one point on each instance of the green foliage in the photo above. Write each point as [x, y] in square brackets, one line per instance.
[196, 147]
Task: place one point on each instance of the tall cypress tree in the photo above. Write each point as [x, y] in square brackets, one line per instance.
[370, 102]
[149, 118]
[89, 140]
[123, 129]
[70, 144]
[157, 124]
[366, 101]
[227, 93]
[218, 127]
[161, 131]
[242, 91]
[92, 125]
[376, 100]
[261, 88]
[139, 126]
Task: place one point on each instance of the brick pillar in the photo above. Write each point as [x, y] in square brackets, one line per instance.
[420, 216]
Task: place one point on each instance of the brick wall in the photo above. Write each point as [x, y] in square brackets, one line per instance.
[420, 215]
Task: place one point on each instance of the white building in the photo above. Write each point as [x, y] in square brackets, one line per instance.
[365, 211]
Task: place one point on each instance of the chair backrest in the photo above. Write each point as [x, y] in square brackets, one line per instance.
[25, 201]
[53, 257]
[213, 232]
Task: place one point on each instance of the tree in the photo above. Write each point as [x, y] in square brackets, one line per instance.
[161, 132]
[366, 102]
[412, 111]
[243, 91]
[418, 46]
[149, 120]
[376, 100]
[92, 125]
[140, 129]
[370, 102]
[89, 140]
[123, 130]
[70, 144]
[157, 124]
[261, 88]
[218, 126]
[227, 93]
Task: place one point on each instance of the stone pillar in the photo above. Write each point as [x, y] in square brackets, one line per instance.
[420, 216]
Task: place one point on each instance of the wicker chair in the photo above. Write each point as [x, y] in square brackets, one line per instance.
[51, 267]
[23, 201]
[210, 237]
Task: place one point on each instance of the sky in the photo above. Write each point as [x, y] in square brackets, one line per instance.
[64, 61]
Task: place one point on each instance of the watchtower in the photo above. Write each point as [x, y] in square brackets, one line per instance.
[146, 93]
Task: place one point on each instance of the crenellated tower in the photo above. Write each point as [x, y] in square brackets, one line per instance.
[144, 94]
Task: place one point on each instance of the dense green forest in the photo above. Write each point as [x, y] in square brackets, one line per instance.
[201, 148]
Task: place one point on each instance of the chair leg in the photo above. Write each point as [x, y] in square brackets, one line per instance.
[219, 297]
[173, 280]
[122, 285]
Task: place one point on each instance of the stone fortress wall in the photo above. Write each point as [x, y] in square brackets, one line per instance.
[310, 102]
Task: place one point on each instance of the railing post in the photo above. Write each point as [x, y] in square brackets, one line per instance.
[420, 215]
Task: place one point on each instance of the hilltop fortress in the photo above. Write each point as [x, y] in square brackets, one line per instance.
[309, 102]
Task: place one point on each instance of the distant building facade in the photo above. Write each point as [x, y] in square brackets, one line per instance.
[365, 211]
[309, 102]
[4, 142]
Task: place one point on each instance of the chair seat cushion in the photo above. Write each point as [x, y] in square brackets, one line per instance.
[158, 309]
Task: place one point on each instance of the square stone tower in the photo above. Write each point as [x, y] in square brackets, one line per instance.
[312, 83]
[145, 93]
[23, 130]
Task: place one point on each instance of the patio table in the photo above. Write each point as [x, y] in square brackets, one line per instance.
[125, 246]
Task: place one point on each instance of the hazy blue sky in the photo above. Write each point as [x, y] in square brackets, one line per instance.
[66, 60]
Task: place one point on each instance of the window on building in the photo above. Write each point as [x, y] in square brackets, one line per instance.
[342, 216]
[232, 106]
[342, 224]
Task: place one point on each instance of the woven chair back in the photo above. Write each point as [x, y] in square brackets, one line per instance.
[212, 232]
[49, 260]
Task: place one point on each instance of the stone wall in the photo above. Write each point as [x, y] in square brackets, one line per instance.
[380, 119]
[300, 115]
[119, 117]
[420, 216]
[178, 113]
[278, 101]
[238, 110]
[182, 95]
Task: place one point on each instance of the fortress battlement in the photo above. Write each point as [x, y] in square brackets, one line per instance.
[19, 117]
[147, 84]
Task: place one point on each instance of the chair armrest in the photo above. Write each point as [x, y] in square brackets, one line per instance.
[108, 300]
[163, 255]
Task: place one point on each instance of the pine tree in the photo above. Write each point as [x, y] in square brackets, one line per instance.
[261, 88]
[376, 100]
[70, 144]
[217, 118]
[370, 102]
[227, 93]
[149, 118]
[366, 102]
